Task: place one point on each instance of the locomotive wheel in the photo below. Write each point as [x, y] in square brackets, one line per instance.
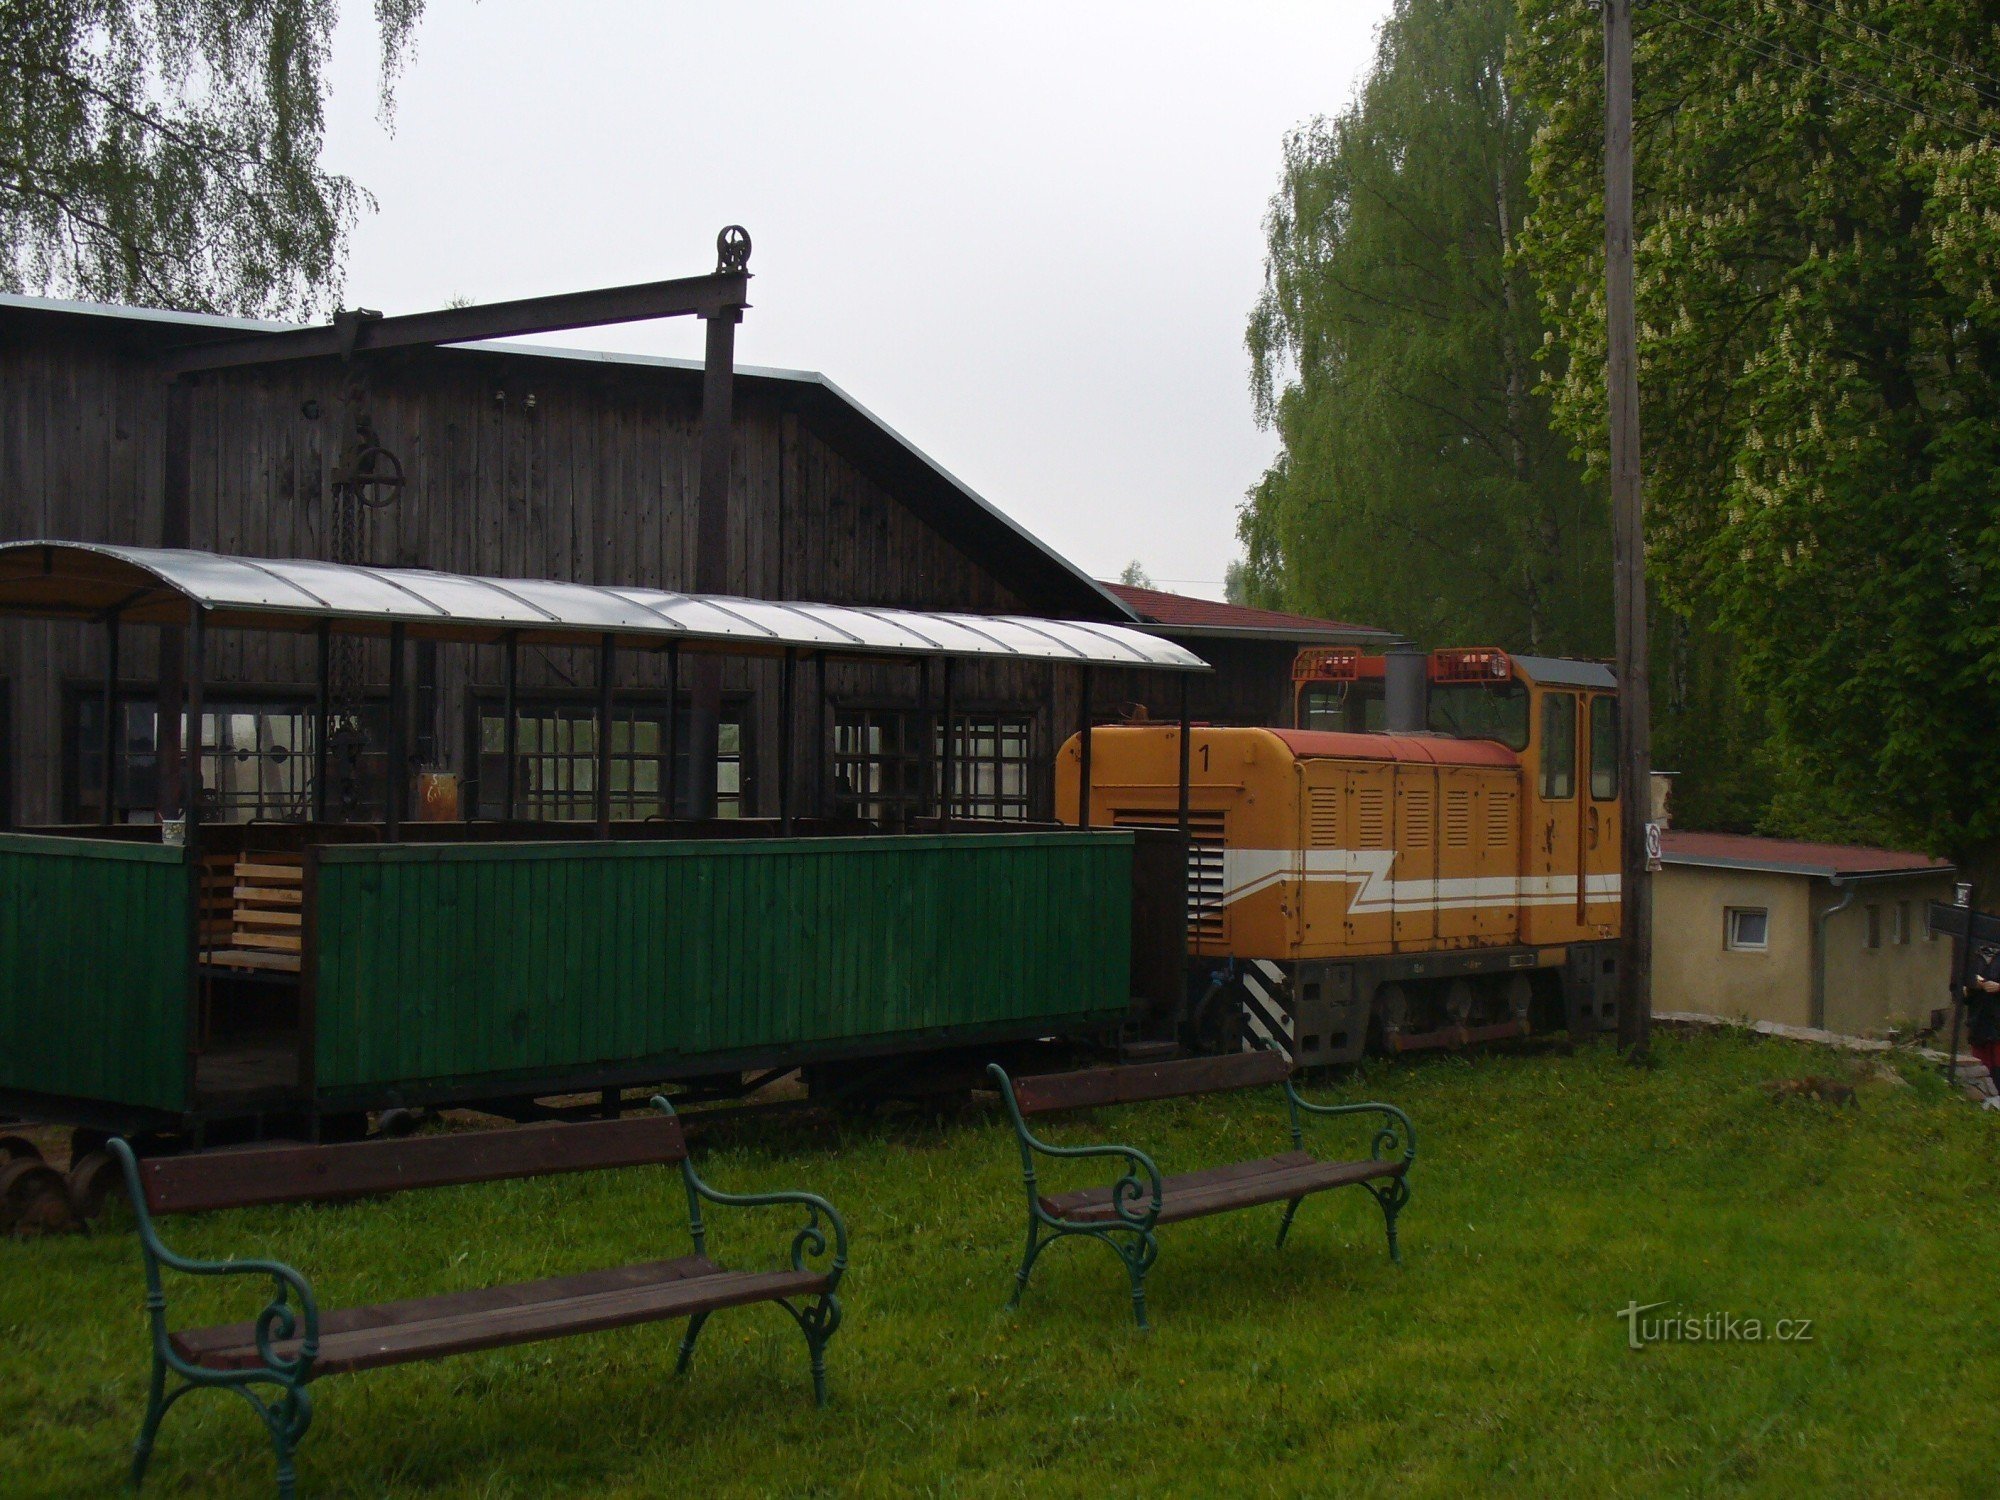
[1520, 997]
[18, 1148]
[34, 1199]
[1458, 998]
[1392, 1009]
[92, 1180]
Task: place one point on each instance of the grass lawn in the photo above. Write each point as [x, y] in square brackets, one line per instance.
[1550, 1191]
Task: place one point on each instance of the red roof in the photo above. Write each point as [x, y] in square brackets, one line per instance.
[1742, 851]
[1158, 607]
[1426, 749]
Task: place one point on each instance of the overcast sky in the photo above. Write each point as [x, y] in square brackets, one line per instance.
[1026, 236]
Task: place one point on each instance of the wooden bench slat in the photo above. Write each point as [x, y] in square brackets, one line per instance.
[238, 958]
[200, 1344]
[269, 895]
[294, 1174]
[1219, 1189]
[256, 918]
[1132, 1083]
[275, 874]
[244, 939]
[494, 1328]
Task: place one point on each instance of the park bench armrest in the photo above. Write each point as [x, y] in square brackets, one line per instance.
[810, 1242]
[278, 1322]
[1394, 1136]
[1140, 1184]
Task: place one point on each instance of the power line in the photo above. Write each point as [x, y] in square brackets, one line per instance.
[1910, 48]
[1848, 83]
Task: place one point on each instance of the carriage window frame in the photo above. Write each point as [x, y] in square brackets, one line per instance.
[878, 754]
[1554, 771]
[225, 756]
[558, 784]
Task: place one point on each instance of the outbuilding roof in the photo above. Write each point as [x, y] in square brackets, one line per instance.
[1187, 615]
[162, 586]
[1742, 851]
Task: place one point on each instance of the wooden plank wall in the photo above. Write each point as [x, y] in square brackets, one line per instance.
[517, 465]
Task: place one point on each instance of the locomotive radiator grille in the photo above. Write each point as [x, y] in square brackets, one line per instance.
[1205, 913]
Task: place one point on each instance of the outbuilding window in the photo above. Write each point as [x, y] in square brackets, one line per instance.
[1747, 929]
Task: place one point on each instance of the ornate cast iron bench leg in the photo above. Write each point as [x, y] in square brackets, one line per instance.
[687, 1343]
[819, 1321]
[1285, 1227]
[1392, 1196]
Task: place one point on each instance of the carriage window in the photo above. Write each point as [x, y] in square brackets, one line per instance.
[557, 778]
[990, 772]
[1558, 746]
[879, 764]
[1604, 748]
[256, 762]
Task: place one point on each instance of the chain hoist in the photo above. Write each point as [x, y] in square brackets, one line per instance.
[367, 477]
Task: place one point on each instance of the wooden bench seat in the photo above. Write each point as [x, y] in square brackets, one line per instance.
[1192, 1195]
[394, 1333]
[293, 1343]
[1125, 1214]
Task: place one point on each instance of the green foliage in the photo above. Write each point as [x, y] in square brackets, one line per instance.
[1819, 226]
[166, 152]
[1551, 1191]
[1419, 486]
[1135, 575]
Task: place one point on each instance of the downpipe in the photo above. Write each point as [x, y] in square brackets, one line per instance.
[1816, 1016]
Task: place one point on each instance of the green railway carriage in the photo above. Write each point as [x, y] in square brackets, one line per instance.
[487, 970]
[217, 979]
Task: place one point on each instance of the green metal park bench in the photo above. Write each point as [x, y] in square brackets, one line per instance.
[1125, 1214]
[273, 1361]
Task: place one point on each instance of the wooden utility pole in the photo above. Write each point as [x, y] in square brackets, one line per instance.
[1628, 539]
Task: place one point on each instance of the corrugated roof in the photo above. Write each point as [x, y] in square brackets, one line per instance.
[1182, 611]
[158, 586]
[995, 534]
[1742, 851]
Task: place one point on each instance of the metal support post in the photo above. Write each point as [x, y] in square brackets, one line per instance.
[107, 812]
[395, 793]
[1084, 738]
[510, 729]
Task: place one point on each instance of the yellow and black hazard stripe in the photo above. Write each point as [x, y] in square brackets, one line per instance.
[1268, 1023]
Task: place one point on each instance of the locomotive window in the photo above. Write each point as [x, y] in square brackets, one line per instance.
[1481, 711]
[1353, 707]
[1558, 746]
[1604, 748]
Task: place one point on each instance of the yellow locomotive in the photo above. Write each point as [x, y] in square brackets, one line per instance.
[1430, 857]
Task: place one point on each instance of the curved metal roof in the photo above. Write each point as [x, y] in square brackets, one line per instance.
[152, 585]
